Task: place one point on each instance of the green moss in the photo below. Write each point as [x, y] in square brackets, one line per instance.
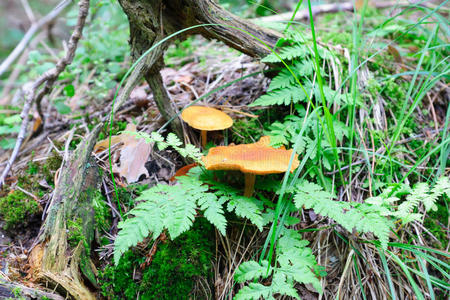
[172, 274]
[116, 129]
[16, 208]
[75, 232]
[52, 164]
[102, 212]
[246, 131]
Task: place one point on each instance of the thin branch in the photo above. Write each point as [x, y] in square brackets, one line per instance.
[49, 79]
[30, 33]
[324, 8]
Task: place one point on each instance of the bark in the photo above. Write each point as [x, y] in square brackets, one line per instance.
[66, 260]
[152, 20]
[9, 290]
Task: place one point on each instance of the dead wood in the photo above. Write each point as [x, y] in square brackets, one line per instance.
[9, 290]
[68, 231]
[151, 21]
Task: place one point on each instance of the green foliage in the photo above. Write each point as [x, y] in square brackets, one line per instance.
[285, 133]
[171, 208]
[75, 232]
[175, 267]
[295, 264]
[102, 212]
[17, 208]
[9, 124]
[406, 211]
[361, 216]
[246, 131]
[188, 151]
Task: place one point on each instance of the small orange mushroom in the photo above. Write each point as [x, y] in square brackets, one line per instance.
[251, 159]
[183, 171]
[206, 119]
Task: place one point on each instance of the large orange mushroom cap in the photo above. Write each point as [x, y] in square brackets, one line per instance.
[206, 118]
[258, 158]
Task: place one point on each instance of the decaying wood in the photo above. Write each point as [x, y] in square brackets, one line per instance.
[10, 290]
[68, 267]
[151, 21]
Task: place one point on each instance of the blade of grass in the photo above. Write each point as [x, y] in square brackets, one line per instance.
[387, 273]
[363, 293]
[427, 278]
[329, 121]
[405, 269]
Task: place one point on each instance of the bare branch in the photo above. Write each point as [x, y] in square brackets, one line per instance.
[28, 36]
[48, 78]
[323, 8]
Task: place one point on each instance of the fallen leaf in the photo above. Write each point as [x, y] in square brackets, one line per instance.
[134, 153]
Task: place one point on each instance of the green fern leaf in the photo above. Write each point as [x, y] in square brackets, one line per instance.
[363, 217]
[251, 270]
[281, 285]
[253, 291]
[249, 208]
[282, 80]
[171, 208]
[441, 187]
[285, 78]
[285, 96]
[287, 53]
[213, 212]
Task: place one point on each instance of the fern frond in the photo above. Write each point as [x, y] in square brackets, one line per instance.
[295, 262]
[213, 212]
[253, 291]
[250, 270]
[287, 53]
[285, 79]
[281, 285]
[361, 216]
[171, 208]
[441, 187]
[249, 208]
[418, 194]
[244, 207]
[285, 96]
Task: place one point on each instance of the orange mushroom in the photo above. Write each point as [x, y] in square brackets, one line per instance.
[183, 171]
[206, 119]
[251, 159]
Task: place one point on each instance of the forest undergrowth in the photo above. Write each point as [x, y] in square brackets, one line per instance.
[362, 98]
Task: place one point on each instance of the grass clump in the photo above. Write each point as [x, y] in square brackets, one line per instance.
[17, 208]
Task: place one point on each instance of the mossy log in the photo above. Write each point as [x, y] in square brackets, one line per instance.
[152, 20]
[9, 290]
[63, 255]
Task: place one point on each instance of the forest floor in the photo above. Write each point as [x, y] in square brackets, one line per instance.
[386, 88]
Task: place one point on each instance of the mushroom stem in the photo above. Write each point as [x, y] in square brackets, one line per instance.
[203, 138]
[249, 184]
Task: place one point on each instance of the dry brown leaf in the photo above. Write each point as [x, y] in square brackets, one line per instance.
[134, 153]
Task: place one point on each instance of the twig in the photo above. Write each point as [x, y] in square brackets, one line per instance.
[49, 79]
[324, 8]
[33, 29]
